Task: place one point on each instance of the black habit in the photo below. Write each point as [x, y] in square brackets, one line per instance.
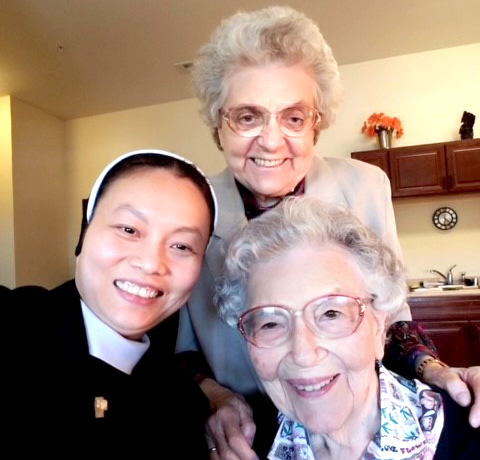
[52, 383]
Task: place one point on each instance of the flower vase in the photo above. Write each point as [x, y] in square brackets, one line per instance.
[384, 138]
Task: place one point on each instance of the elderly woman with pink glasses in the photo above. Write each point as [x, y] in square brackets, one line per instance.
[268, 86]
[310, 288]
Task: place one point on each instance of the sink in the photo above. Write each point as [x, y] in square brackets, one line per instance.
[456, 287]
[436, 284]
[442, 287]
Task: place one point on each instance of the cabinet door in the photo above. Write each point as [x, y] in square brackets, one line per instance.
[418, 170]
[452, 339]
[475, 330]
[463, 165]
[374, 157]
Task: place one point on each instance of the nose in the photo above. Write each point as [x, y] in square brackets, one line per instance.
[306, 349]
[271, 138]
[151, 259]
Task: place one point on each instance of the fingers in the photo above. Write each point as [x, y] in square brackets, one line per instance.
[471, 375]
[448, 379]
[460, 383]
[246, 419]
[456, 386]
[239, 435]
[231, 428]
[212, 448]
[225, 429]
[463, 391]
[248, 430]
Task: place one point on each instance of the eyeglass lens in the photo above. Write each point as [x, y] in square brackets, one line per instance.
[250, 121]
[328, 317]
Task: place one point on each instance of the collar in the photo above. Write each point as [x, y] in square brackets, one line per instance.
[253, 209]
[411, 422]
[109, 346]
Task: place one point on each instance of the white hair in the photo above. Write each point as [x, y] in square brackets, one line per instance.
[305, 220]
[274, 34]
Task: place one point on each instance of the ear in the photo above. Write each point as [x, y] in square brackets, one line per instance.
[379, 333]
[316, 133]
[217, 138]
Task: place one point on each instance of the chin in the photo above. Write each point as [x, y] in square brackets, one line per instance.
[134, 329]
[270, 193]
[321, 419]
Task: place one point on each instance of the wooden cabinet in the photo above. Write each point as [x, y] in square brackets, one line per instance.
[374, 157]
[475, 324]
[418, 170]
[453, 323]
[429, 169]
[463, 165]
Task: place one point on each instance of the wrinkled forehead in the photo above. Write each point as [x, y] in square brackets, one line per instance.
[306, 262]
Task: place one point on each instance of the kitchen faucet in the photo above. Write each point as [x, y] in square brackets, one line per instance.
[447, 278]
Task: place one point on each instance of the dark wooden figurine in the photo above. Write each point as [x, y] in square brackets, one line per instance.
[466, 128]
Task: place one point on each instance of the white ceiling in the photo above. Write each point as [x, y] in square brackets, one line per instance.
[76, 58]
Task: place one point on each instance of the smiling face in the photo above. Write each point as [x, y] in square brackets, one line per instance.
[143, 250]
[323, 383]
[271, 164]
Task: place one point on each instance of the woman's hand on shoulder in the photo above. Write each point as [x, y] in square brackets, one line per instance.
[460, 383]
[230, 429]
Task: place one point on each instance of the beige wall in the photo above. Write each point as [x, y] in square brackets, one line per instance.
[7, 235]
[425, 247]
[39, 196]
[428, 91]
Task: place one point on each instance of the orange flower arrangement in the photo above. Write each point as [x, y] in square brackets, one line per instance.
[379, 121]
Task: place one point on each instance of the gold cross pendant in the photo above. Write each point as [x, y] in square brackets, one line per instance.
[101, 405]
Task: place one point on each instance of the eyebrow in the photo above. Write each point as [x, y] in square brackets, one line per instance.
[300, 103]
[193, 230]
[143, 218]
[132, 210]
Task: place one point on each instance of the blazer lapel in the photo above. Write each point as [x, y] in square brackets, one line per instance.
[322, 183]
[232, 213]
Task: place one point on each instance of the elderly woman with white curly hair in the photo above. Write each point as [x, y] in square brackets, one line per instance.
[268, 85]
[309, 287]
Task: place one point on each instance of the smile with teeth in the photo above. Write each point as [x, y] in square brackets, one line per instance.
[267, 163]
[134, 289]
[311, 388]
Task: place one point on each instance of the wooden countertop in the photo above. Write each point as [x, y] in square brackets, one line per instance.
[445, 293]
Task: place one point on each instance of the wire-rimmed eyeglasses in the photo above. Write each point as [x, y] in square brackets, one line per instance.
[252, 120]
[331, 317]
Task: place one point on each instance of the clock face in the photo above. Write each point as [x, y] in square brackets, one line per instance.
[445, 218]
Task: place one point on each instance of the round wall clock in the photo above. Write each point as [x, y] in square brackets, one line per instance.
[445, 218]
